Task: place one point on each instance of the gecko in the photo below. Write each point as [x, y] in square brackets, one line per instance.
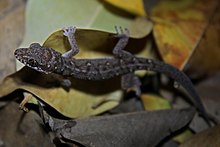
[123, 63]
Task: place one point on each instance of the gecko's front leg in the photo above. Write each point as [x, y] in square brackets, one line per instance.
[70, 34]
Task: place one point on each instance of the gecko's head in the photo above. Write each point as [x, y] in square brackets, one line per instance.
[37, 57]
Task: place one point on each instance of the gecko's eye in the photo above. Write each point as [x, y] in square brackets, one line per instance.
[35, 46]
[32, 62]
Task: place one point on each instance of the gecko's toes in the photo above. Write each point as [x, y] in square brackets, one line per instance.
[65, 31]
[127, 31]
[120, 32]
[71, 29]
[68, 31]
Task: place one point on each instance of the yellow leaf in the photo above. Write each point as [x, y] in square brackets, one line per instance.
[154, 102]
[183, 136]
[135, 7]
[141, 27]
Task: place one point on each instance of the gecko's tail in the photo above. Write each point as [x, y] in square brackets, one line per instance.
[182, 79]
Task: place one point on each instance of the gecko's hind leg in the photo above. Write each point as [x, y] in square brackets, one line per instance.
[70, 34]
[123, 36]
[131, 82]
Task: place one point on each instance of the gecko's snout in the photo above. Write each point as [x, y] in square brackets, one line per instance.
[19, 54]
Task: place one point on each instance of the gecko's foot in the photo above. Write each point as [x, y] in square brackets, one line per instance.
[121, 33]
[69, 31]
[27, 97]
[130, 82]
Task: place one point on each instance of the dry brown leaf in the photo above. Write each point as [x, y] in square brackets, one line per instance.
[206, 58]
[179, 26]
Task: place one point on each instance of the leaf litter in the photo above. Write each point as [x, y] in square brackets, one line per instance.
[69, 125]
